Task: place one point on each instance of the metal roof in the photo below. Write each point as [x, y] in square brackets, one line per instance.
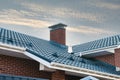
[53, 52]
[104, 43]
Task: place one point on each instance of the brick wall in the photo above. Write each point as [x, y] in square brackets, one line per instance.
[117, 57]
[109, 58]
[22, 67]
[58, 75]
[29, 68]
[113, 59]
[58, 35]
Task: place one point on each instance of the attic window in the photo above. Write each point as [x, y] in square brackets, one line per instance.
[71, 58]
[10, 40]
[55, 54]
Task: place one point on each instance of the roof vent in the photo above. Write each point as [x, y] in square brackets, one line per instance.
[71, 58]
[29, 44]
[10, 40]
[55, 54]
[83, 61]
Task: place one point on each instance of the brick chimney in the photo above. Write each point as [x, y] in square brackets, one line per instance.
[58, 33]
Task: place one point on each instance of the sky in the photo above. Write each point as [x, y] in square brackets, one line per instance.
[87, 20]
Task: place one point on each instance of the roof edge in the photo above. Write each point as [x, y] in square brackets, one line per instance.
[26, 52]
[12, 48]
[97, 50]
[38, 59]
[34, 53]
[69, 68]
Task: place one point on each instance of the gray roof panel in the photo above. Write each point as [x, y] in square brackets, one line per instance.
[98, 44]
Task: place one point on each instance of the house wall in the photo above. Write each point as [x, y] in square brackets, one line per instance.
[113, 59]
[21, 67]
[117, 57]
[109, 58]
[58, 75]
[29, 68]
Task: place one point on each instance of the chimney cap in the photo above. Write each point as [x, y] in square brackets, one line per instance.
[57, 26]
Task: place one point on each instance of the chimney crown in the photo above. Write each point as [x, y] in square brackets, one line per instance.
[57, 26]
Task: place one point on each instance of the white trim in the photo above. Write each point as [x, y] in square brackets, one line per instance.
[12, 48]
[41, 67]
[117, 68]
[70, 49]
[37, 59]
[44, 68]
[118, 46]
[109, 49]
[83, 71]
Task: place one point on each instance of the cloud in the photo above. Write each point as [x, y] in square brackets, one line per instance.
[13, 12]
[106, 5]
[89, 30]
[12, 16]
[26, 22]
[16, 17]
[63, 12]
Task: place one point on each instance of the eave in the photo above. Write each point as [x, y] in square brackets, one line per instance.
[83, 71]
[98, 52]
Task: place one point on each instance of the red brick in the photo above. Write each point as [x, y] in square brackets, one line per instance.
[58, 75]
[113, 59]
[58, 35]
[109, 58]
[117, 57]
[29, 68]
[21, 67]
